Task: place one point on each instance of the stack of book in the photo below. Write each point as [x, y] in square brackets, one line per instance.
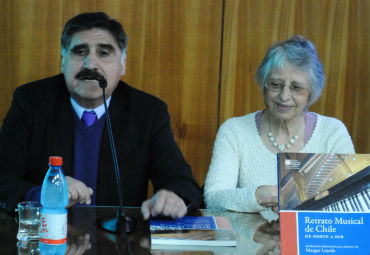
[191, 232]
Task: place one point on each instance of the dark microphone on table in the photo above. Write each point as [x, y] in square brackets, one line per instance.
[120, 223]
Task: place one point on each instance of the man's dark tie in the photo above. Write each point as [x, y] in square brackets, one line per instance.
[89, 118]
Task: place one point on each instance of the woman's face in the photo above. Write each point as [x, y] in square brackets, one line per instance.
[290, 100]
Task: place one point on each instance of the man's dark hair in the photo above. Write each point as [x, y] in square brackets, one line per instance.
[86, 21]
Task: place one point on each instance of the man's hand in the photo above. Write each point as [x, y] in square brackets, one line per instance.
[78, 192]
[267, 195]
[164, 203]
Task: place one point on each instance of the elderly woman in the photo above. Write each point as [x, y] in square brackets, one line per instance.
[243, 171]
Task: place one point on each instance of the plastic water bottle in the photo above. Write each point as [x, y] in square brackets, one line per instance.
[54, 199]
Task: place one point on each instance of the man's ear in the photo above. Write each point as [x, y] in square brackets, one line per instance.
[62, 61]
[123, 65]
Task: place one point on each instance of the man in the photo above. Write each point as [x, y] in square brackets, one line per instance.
[47, 118]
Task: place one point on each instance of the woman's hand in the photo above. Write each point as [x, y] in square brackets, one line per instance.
[267, 195]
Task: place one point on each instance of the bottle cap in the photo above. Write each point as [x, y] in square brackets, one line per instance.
[55, 161]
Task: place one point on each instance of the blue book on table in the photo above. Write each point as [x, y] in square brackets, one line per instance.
[192, 230]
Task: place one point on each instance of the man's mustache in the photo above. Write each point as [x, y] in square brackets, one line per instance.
[91, 74]
[88, 74]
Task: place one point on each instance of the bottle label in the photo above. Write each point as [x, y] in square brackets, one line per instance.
[53, 228]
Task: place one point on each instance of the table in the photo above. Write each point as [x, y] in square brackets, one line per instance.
[86, 237]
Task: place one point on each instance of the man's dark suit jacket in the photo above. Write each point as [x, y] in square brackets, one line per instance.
[40, 124]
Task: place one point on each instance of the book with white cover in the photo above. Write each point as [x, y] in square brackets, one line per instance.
[323, 200]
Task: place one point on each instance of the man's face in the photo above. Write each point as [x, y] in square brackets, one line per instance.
[92, 49]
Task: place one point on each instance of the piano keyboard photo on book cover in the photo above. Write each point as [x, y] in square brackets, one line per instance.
[324, 182]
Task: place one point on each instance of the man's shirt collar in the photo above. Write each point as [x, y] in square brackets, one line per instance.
[99, 111]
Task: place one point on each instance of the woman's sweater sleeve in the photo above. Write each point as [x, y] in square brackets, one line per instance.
[338, 138]
[221, 191]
